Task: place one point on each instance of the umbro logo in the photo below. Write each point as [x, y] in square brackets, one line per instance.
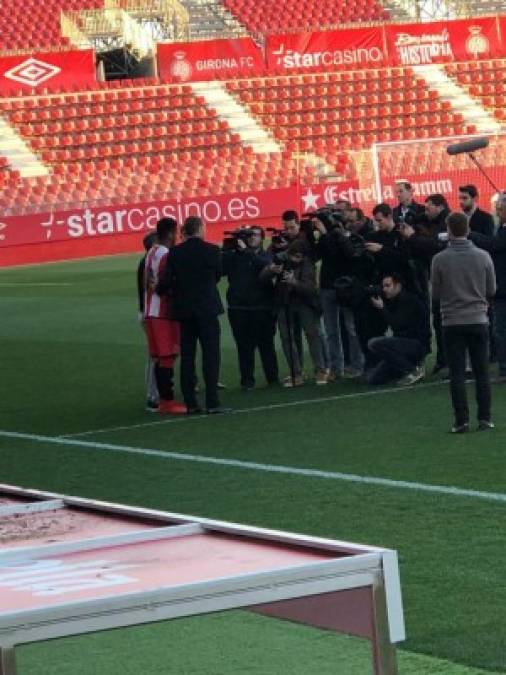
[32, 72]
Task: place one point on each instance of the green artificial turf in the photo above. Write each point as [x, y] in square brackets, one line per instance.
[72, 360]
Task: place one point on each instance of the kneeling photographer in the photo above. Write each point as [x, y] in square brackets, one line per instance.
[400, 355]
[293, 278]
[250, 304]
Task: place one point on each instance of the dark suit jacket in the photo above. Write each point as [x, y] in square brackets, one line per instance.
[482, 222]
[417, 211]
[192, 272]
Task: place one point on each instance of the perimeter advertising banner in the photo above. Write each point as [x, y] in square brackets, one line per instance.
[40, 71]
[209, 60]
[353, 48]
[220, 212]
[443, 42]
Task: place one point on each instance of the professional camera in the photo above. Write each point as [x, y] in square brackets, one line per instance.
[373, 290]
[232, 237]
[331, 218]
[278, 238]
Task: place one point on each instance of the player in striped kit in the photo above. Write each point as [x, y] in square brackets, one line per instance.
[163, 333]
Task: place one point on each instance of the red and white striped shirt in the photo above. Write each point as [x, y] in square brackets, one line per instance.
[155, 306]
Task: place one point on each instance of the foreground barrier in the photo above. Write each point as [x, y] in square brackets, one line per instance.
[110, 566]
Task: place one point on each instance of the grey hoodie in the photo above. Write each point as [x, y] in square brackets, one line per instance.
[463, 280]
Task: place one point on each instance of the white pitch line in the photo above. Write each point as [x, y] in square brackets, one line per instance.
[260, 408]
[28, 284]
[267, 468]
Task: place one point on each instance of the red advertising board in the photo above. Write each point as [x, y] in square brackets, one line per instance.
[443, 41]
[220, 212]
[53, 70]
[352, 48]
[209, 60]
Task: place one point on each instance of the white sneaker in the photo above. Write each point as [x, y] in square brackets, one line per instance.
[412, 378]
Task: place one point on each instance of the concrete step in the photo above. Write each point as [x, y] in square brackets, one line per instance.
[19, 154]
[449, 90]
[237, 116]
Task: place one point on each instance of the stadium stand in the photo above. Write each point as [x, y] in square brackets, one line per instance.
[36, 25]
[264, 16]
[135, 143]
[484, 80]
[332, 112]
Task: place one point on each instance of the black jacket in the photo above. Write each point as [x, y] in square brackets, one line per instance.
[408, 317]
[245, 290]
[425, 243]
[192, 273]
[335, 252]
[393, 256]
[303, 292]
[414, 212]
[496, 246]
[482, 222]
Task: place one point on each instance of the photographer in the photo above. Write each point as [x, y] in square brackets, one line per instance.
[407, 211]
[357, 223]
[401, 354]
[335, 251]
[424, 241]
[296, 230]
[294, 281]
[250, 304]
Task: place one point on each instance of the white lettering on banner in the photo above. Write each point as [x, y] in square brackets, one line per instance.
[294, 59]
[367, 194]
[417, 49]
[116, 221]
[217, 64]
[54, 577]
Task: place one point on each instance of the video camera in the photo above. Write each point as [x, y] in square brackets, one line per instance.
[232, 237]
[328, 215]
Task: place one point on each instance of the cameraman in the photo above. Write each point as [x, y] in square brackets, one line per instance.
[296, 298]
[250, 305]
[400, 356]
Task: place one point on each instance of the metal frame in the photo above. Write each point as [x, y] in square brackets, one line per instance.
[363, 567]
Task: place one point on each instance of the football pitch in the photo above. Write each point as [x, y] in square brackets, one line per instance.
[341, 461]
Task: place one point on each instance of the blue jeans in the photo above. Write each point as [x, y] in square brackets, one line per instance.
[500, 333]
[331, 312]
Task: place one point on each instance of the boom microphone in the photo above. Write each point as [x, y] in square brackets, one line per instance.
[467, 146]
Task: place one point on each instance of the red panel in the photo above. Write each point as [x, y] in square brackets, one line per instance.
[439, 42]
[209, 60]
[39, 71]
[353, 48]
[343, 611]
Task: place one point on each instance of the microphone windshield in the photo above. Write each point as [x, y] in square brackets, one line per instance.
[468, 146]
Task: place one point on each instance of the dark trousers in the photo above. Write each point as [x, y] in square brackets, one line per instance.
[206, 331]
[472, 338]
[254, 329]
[397, 357]
[500, 333]
[369, 323]
[438, 332]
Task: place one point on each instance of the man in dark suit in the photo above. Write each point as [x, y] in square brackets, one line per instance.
[408, 211]
[479, 221]
[193, 271]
